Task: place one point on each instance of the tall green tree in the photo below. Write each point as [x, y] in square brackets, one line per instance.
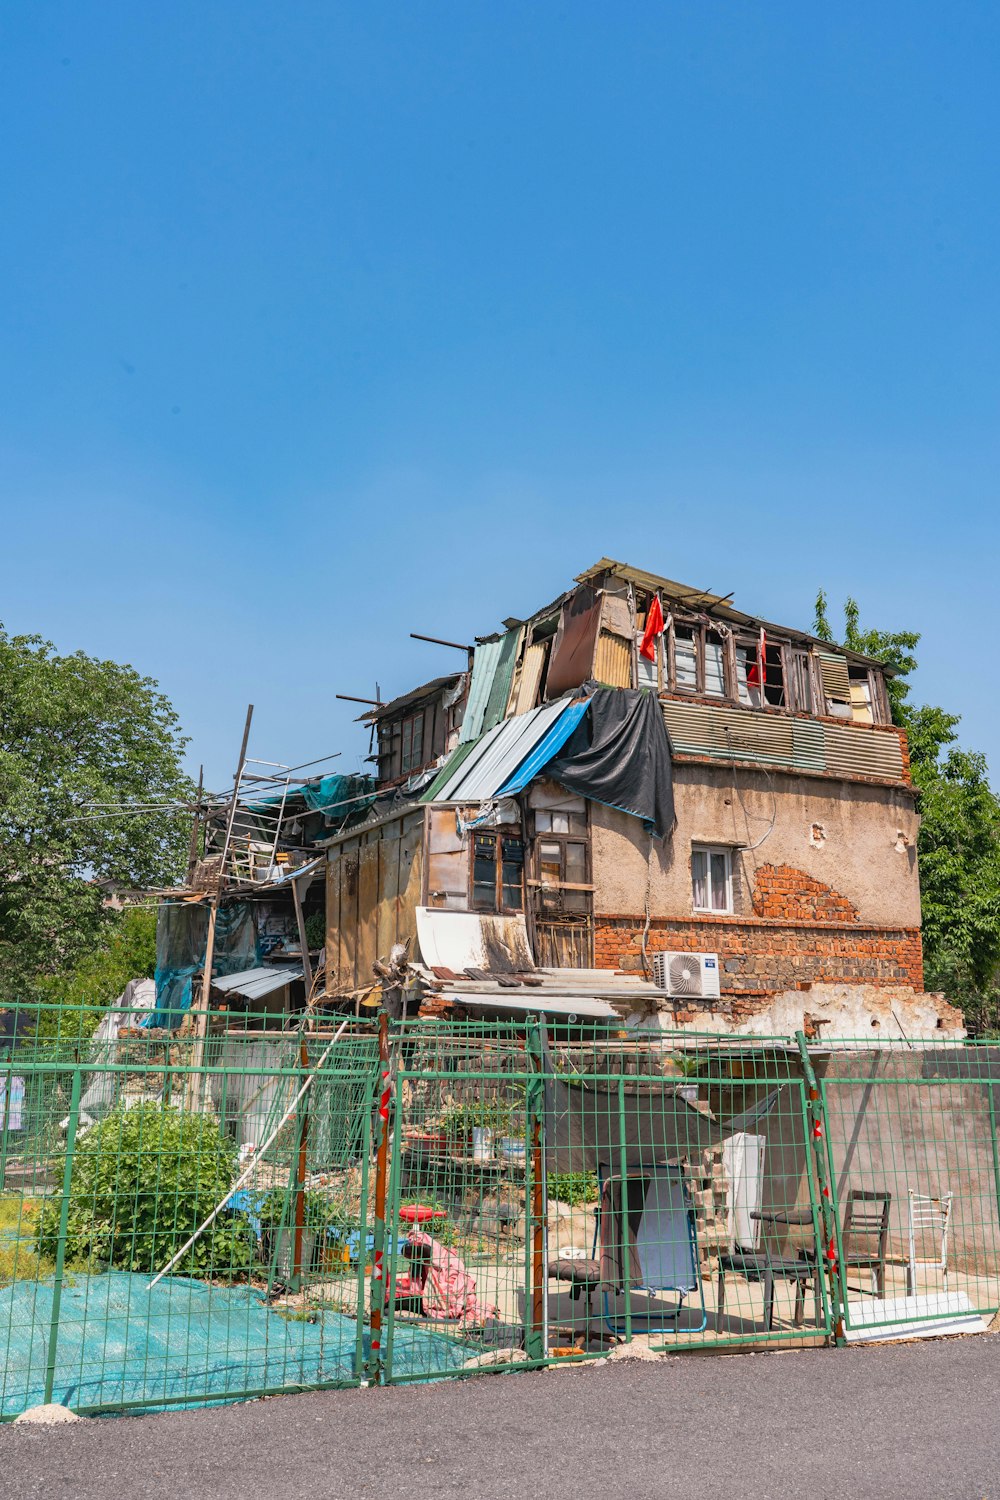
[958, 848]
[82, 741]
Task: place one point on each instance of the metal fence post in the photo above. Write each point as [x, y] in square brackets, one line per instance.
[536, 1211]
[378, 1294]
[826, 1254]
[57, 1285]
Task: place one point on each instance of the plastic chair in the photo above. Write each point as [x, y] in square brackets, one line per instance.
[927, 1215]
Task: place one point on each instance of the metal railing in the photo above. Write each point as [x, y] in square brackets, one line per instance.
[336, 1203]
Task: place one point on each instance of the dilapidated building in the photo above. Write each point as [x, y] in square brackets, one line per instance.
[641, 769]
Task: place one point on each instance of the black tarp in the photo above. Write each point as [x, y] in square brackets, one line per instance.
[620, 755]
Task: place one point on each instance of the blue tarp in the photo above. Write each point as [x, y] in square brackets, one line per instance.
[119, 1342]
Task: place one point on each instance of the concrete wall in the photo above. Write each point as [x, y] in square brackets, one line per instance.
[866, 851]
[825, 881]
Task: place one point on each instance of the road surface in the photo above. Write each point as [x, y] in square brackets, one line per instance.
[908, 1420]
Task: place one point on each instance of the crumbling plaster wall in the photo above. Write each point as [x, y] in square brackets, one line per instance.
[855, 839]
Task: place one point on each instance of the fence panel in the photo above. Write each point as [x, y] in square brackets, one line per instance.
[550, 1190]
[266, 1299]
[913, 1158]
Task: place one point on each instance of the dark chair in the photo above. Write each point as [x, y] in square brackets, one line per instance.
[584, 1277]
[760, 1266]
[864, 1237]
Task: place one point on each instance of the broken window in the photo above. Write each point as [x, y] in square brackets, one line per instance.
[863, 699]
[497, 872]
[712, 878]
[413, 742]
[562, 874]
[685, 659]
[800, 688]
[715, 665]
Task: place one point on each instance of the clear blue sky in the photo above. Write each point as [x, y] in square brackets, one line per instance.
[322, 322]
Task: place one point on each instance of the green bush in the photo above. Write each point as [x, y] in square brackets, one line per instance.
[573, 1188]
[142, 1181]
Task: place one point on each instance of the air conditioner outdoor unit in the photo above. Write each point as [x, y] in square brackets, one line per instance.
[687, 975]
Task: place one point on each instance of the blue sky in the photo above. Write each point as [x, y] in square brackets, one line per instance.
[325, 322]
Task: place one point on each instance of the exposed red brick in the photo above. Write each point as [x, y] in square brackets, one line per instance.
[760, 955]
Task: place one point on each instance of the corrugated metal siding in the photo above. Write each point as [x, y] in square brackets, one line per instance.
[703, 729]
[772, 739]
[613, 660]
[496, 705]
[484, 665]
[863, 752]
[836, 677]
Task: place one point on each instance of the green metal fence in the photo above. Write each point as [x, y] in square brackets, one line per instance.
[194, 1218]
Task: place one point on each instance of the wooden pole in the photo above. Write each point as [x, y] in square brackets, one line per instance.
[195, 826]
[196, 1090]
[300, 922]
[300, 1176]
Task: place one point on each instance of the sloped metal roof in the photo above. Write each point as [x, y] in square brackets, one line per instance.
[498, 755]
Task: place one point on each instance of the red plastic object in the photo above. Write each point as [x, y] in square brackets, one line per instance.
[419, 1213]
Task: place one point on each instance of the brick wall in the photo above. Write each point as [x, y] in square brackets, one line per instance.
[766, 954]
[784, 892]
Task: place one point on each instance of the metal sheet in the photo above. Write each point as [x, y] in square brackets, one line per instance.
[494, 760]
[536, 1001]
[484, 667]
[849, 750]
[253, 983]
[460, 940]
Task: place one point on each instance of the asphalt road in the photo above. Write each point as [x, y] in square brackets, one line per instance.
[907, 1420]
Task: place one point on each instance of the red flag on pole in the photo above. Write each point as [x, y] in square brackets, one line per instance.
[654, 629]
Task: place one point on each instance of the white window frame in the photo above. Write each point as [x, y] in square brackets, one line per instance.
[708, 850]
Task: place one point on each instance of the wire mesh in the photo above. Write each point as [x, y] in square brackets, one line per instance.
[550, 1191]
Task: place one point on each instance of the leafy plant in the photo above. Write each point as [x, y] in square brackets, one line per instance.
[277, 1208]
[127, 951]
[499, 1115]
[573, 1188]
[141, 1183]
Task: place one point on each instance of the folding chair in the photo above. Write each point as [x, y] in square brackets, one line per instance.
[927, 1216]
[648, 1243]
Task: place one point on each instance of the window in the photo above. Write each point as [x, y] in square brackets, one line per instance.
[862, 697]
[413, 742]
[699, 661]
[497, 870]
[685, 660]
[715, 665]
[712, 878]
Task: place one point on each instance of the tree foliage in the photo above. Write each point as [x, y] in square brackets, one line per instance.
[126, 950]
[958, 847]
[79, 738]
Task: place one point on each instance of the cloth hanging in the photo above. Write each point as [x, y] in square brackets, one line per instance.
[620, 755]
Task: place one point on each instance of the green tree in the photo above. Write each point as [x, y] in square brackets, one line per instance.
[958, 848]
[80, 741]
[126, 950]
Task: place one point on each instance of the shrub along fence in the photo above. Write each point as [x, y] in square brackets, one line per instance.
[190, 1219]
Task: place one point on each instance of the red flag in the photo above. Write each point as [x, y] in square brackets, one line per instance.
[757, 670]
[654, 629]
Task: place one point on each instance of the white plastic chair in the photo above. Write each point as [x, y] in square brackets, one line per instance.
[928, 1216]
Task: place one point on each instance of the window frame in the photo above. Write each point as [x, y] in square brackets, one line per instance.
[498, 837]
[726, 850]
[410, 760]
